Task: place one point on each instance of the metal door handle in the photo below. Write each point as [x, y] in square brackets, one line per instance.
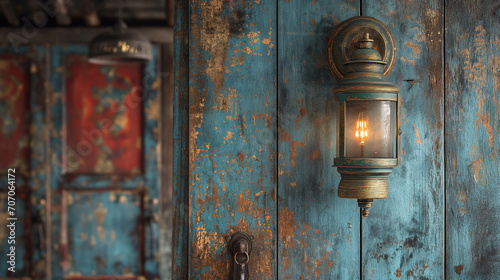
[240, 246]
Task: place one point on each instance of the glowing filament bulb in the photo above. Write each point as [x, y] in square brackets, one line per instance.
[361, 131]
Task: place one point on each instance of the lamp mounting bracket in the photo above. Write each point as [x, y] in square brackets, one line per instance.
[345, 37]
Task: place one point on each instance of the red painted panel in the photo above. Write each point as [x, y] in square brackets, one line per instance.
[103, 118]
[14, 93]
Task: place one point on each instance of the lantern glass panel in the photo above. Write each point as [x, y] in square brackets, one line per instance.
[370, 129]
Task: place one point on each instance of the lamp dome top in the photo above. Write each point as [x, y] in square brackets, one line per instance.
[365, 52]
[365, 71]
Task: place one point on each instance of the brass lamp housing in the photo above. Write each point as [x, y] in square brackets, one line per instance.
[362, 78]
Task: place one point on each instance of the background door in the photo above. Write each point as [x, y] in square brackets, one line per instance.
[255, 142]
[84, 141]
[104, 166]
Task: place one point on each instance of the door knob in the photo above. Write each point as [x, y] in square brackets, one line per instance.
[240, 246]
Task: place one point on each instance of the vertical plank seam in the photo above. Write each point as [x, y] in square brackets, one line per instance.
[276, 166]
[48, 169]
[443, 50]
[160, 65]
[188, 181]
[360, 245]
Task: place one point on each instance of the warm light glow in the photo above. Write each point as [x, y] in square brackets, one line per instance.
[361, 131]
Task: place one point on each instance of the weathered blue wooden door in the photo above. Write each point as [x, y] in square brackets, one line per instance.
[255, 142]
[83, 140]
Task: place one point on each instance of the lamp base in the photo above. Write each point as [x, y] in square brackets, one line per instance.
[364, 184]
[363, 187]
[364, 179]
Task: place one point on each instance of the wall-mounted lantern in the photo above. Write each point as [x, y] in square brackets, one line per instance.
[361, 52]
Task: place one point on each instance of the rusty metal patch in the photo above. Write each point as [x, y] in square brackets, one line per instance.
[103, 124]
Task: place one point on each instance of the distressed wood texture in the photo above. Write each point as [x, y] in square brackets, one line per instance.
[473, 139]
[94, 246]
[403, 237]
[318, 231]
[232, 126]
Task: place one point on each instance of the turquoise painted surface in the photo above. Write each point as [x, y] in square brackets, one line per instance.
[403, 237]
[232, 130]
[318, 231]
[104, 233]
[440, 219]
[147, 182]
[472, 140]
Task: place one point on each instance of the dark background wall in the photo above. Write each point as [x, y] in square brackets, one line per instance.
[255, 136]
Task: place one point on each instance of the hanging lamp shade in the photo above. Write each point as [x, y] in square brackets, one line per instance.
[119, 46]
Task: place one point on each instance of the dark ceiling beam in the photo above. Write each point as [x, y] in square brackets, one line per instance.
[62, 16]
[170, 12]
[90, 13]
[9, 13]
[82, 35]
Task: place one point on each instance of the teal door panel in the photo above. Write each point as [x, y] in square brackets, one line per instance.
[104, 231]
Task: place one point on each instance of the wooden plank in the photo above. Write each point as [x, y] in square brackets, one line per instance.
[137, 11]
[472, 140]
[180, 244]
[318, 231]
[232, 129]
[403, 237]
